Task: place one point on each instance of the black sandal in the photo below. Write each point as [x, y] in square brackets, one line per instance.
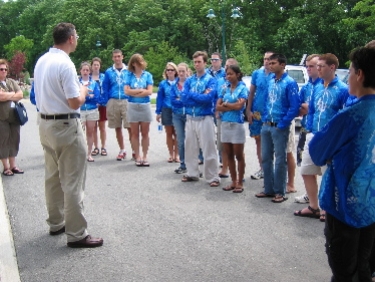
[279, 199]
[264, 195]
[8, 172]
[103, 152]
[17, 170]
[95, 152]
[315, 213]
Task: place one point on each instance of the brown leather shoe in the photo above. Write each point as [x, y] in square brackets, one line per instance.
[87, 242]
[58, 232]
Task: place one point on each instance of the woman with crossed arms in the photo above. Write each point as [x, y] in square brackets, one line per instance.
[138, 85]
[231, 103]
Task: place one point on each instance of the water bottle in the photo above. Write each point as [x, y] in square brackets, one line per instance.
[160, 127]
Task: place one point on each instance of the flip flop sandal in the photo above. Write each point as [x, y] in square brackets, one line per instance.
[103, 152]
[95, 152]
[229, 188]
[214, 184]
[170, 160]
[223, 175]
[145, 163]
[315, 213]
[16, 170]
[279, 199]
[238, 190]
[8, 172]
[90, 160]
[264, 195]
[186, 178]
[138, 163]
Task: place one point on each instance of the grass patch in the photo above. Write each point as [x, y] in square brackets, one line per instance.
[153, 101]
[155, 89]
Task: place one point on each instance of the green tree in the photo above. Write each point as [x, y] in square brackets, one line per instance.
[159, 56]
[18, 43]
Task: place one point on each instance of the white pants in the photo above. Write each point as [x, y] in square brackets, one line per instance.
[200, 133]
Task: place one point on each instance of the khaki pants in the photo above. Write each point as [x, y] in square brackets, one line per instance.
[65, 154]
[200, 133]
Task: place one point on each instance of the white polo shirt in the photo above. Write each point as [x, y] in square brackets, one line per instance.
[55, 81]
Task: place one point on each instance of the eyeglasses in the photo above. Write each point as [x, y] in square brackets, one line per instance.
[215, 60]
[3, 69]
[170, 70]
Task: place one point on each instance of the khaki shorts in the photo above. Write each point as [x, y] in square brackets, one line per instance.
[90, 115]
[117, 113]
[291, 146]
[307, 166]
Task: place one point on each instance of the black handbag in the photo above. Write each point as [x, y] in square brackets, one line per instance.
[20, 113]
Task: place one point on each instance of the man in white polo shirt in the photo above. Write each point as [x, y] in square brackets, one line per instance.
[58, 97]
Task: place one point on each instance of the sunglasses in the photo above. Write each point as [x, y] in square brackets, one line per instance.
[3, 69]
[215, 60]
[170, 70]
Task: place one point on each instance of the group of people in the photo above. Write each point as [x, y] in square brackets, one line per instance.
[338, 130]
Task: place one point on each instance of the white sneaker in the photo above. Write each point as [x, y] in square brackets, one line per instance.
[258, 175]
[304, 199]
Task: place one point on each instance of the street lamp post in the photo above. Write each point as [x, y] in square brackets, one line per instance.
[98, 44]
[235, 15]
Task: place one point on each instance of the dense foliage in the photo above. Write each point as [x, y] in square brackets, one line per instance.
[172, 30]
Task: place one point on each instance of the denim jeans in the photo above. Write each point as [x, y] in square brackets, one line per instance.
[274, 145]
[179, 121]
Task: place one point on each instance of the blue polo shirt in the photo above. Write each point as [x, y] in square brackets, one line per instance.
[227, 95]
[139, 83]
[260, 80]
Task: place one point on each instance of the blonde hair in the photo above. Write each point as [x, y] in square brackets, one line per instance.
[186, 66]
[4, 62]
[173, 65]
[136, 59]
[85, 64]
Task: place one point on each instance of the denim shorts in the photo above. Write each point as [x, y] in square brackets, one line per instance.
[255, 128]
[166, 117]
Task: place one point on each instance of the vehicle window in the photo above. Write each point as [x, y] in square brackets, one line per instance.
[297, 75]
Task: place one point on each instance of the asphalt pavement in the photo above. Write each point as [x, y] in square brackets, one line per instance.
[155, 227]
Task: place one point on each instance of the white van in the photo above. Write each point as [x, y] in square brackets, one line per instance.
[298, 73]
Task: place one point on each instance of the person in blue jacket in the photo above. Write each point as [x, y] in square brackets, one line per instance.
[255, 105]
[281, 107]
[138, 86]
[164, 110]
[231, 104]
[89, 110]
[116, 100]
[199, 96]
[101, 124]
[329, 97]
[179, 113]
[346, 144]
